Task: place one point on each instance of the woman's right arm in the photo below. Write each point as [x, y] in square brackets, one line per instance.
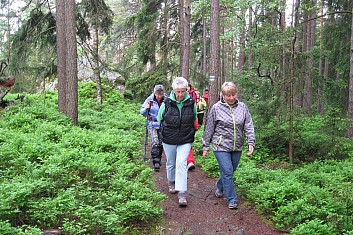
[209, 129]
[160, 115]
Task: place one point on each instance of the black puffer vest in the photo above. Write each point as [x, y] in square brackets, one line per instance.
[178, 129]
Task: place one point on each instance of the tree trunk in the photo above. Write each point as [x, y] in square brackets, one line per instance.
[241, 58]
[250, 55]
[350, 101]
[61, 50]
[71, 62]
[213, 91]
[186, 46]
[204, 37]
[319, 93]
[181, 33]
[96, 69]
[311, 31]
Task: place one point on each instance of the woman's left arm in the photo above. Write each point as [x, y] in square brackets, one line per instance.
[249, 129]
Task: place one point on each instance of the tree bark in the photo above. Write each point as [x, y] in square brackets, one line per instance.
[213, 91]
[61, 51]
[350, 101]
[96, 69]
[71, 62]
[181, 33]
[67, 59]
[186, 46]
[204, 37]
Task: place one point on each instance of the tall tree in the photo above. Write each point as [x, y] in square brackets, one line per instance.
[214, 62]
[350, 102]
[99, 17]
[185, 63]
[67, 59]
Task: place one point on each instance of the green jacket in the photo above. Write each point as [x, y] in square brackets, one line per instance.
[201, 106]
[179, 104]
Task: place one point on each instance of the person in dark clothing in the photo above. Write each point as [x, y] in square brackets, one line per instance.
[177, 116]
[150, 110]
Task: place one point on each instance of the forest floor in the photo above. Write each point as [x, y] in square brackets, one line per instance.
[205, 214]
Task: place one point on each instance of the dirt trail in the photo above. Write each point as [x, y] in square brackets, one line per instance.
[206, 214]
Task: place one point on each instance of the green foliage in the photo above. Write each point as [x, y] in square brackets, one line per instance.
[148, 35]
[86, 179]
[314, 138]
[317, 196]
[314, 199]
[142, 86]
[7, 229]
[98, 14]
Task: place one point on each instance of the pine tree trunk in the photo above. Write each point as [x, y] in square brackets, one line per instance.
[213, 91]
[186, 52]
[350, 101]
[96, 68]
[61, 51]
[71, 62]
[204, 38]
[181, 33]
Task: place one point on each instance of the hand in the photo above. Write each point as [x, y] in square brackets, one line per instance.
[148, 105]
[205, 152]
[251, 150]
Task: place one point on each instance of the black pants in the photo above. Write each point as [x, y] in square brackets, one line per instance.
[200, 118]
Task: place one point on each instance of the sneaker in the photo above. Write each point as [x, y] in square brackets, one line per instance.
[218, 193]
[157, 166]
[171, 189]
[191, 166]
[182, 200]
[233, 205]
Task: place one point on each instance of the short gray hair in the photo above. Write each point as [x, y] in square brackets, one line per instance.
[179, 82]
[229, 88]
[158, 89]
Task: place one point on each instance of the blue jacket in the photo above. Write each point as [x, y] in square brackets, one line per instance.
[152, 113]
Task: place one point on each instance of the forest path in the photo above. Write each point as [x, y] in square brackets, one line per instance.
[205, 214]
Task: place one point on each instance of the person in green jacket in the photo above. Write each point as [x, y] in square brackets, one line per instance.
[177, 115]
[201, 107]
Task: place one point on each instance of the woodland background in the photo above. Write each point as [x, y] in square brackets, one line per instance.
[290, 58]
[293, 62]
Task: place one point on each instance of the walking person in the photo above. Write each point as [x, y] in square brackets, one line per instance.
[150, 110]
[177, 116]
[201, 107]
[228, 122]
[205, 95]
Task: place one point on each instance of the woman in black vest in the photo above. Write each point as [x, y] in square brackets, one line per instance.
[177, 116]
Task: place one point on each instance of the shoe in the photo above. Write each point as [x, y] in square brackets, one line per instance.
[171, 189]
[191, 166]
[182, 200]
[233, 205]
[218, 193]
[157, 166]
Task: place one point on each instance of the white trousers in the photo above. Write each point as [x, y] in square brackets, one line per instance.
[176, 167]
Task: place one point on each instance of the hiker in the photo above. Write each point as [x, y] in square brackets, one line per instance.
[201, 107]
[177, 116]
[226, 114]
[191, 160]
[205, 95]
[150, 110]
